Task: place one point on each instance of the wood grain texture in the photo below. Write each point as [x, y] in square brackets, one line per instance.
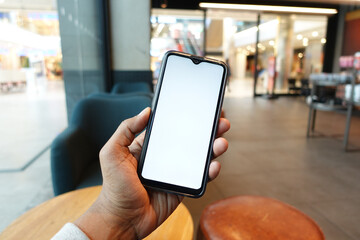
[43, 221]
[179, 226]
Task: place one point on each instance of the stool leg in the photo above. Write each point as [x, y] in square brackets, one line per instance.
[309, 122]
[313, 121]
[200, 235]
[347, 128]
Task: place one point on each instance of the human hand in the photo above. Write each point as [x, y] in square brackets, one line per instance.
[125, 208]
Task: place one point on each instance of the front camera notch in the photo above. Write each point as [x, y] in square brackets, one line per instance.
[196, 60]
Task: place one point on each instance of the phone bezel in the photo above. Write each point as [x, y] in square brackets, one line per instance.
[171, 187]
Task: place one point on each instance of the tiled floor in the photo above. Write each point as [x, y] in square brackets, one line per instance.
[30, 119]
[268, 155]
[20, 191]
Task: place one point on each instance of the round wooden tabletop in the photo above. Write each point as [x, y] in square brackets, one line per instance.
[43, 221]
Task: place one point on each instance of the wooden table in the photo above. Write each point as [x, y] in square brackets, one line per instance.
[43, 221]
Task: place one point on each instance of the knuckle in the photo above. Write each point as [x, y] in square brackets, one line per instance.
[103, 152]
[125, 123]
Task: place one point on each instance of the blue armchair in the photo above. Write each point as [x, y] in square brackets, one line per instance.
[75, 152]
[131, 87]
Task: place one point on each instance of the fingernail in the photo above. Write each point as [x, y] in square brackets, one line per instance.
[143, 112]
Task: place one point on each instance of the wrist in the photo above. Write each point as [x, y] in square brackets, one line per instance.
[99, 223]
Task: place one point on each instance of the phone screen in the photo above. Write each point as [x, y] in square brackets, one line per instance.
[184, 117]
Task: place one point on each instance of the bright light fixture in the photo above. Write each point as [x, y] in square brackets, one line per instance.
[167, 19]
[272, 43]
[269, 8]
[323, 40]
[305, 42]
[315, 34]
[299, 37]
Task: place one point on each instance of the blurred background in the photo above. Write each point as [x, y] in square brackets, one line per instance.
[55, 53]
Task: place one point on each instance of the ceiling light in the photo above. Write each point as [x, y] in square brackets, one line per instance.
[167, 19]
[271, 43]
[269, 8]
[315, 34]
[323, 40]
[299, 37]
[164, 4]
[300, 55]
[305, 42]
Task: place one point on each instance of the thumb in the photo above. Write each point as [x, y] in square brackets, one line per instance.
[125, 133]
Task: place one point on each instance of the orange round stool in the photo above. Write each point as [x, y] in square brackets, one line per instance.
[256, 218]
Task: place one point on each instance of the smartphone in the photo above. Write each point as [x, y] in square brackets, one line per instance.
[178, 144]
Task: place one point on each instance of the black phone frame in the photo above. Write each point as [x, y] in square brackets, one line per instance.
[171, 188]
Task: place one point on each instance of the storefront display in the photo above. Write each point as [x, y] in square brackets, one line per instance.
[31, 50]
[179, 30]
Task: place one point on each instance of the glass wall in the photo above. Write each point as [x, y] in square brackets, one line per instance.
[30, 52]
[238, 28]
[290, 49]
[32, 99]
[181, 30]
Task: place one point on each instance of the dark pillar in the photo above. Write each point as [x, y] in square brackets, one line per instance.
[82, 49]
[331, 43]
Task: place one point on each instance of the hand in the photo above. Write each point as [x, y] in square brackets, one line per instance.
[124, 208]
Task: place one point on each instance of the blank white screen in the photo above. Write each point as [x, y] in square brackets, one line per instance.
[182, 126]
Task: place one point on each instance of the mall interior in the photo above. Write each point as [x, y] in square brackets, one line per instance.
[72, 70]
